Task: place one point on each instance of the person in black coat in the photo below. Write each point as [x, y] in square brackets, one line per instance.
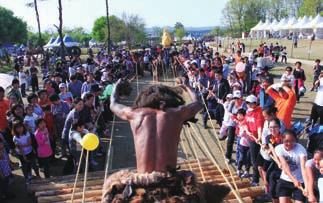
[222, 87]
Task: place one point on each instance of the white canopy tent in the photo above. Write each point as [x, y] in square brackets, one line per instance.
[262, 29]
[50, 42]
[272, 26]
[253, 31]
[303, 27]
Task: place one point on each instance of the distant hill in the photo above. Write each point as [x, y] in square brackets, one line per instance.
[188, 29]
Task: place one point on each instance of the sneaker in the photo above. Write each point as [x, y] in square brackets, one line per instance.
[229, 161]
[245, 175]
[254, 184]
[239, 173]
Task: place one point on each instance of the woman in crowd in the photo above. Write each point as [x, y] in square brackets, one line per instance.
[269, 165]
[312, 175]
[300, 78]
[233, 108]
[292, 157]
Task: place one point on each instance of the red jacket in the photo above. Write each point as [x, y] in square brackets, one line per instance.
[254, 120]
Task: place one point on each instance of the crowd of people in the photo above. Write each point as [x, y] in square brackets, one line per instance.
[238, 92]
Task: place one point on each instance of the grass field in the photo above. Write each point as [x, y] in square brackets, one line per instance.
[301, 52]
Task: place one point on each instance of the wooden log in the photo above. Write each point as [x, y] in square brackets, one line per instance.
[240, 184]
[66, 191]
[244, 199]
[247, 192]
[65, 197]
[58, 186]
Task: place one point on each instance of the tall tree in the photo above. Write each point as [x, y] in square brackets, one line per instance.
[134, 29]
[277, 9]
[311, 7]
[60, 29]
[35, 6]
[12, 29]
[179, 30]
[108, 26]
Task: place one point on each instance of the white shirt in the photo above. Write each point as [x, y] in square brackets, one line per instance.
[30, 122]
[23, 140]
[319, 95]
[22, 78]
[293, 159]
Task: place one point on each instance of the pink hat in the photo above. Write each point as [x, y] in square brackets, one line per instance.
[240, 67]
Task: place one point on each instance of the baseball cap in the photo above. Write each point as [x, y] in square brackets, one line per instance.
[251, 99]
[62, 85]
[237, 94]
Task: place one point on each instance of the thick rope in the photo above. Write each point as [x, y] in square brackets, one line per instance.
[186, 155]
[85, 175]
[77, 175]
[137, 77]
[107, 164]
[195, 154]
[218, 141]
[213, 159]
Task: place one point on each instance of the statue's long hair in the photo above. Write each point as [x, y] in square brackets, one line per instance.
[156, 95]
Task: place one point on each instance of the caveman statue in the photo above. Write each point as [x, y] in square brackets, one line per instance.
[156, 121]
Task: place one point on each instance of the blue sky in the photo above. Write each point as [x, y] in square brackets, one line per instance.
[196, 13]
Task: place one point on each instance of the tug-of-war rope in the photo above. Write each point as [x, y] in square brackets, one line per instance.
[192, 132]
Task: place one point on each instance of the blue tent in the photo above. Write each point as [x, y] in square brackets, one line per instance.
[67, 39]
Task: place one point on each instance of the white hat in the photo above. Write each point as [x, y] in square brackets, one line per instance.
[237, 94]
[240, 67]
[251, 99]
[229, 96]
[62, 85]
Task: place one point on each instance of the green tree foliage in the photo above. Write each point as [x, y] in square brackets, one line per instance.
[12, 28]
[34, 37]
[179, 30]
[241, 15]
[130, 28]
[311, 7]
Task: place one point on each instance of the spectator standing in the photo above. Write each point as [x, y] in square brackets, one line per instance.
[75, 86]
[24, 149]
[34, 79]
[22, 81]
[255, 123]
[299, 76]
[44, 151]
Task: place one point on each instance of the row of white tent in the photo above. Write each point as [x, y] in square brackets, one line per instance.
[56, 42]
[303, 26]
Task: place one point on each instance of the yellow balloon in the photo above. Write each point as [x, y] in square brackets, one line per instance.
[90, 142]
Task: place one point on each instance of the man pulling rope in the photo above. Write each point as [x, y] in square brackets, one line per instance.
[156, 120]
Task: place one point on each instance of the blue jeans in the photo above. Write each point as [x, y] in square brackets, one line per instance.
[244, 158]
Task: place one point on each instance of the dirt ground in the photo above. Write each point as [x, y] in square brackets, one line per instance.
[123, 147]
